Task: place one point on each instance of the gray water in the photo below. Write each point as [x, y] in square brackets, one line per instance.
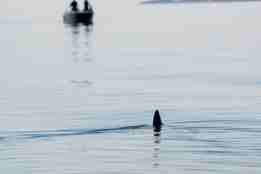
[80, 99]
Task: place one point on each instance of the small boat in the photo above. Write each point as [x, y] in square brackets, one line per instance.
[75, 17]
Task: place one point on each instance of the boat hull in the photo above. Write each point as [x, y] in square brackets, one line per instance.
[78, 17]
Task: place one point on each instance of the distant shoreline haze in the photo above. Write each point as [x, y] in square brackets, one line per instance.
[192, 1]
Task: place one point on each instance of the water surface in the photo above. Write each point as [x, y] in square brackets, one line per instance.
[80, 99]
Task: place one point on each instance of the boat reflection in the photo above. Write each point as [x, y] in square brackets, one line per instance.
[79, 53]
[80, 36]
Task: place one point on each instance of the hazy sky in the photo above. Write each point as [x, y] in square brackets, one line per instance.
[29, 7]
[179, 18]
[52, 8]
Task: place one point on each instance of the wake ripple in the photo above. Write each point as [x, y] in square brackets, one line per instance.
[247, 126]
[74, 132]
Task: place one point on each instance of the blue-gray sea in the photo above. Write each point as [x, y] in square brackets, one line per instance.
[80, 99]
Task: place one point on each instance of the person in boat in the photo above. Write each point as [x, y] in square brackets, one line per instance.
[74, 5]
[86, 5]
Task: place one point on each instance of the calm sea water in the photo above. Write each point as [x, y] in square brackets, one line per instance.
[80, 99]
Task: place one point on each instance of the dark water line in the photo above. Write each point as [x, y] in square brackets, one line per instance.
[73, 132]
[217, 152]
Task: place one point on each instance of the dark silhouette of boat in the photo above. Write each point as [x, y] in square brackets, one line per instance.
[75, 17]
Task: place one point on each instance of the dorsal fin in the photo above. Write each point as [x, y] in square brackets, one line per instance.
[157, 123]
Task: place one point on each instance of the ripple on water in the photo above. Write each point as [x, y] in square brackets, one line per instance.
[81, 82]
[75, 132]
